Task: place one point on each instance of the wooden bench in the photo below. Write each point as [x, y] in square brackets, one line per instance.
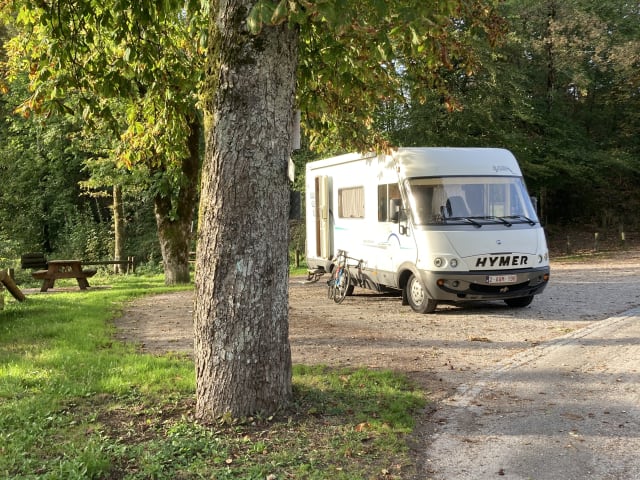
[57, 269]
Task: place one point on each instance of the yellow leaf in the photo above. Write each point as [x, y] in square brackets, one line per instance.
[362, 427]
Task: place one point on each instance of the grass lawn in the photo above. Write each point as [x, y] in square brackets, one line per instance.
[75, 403]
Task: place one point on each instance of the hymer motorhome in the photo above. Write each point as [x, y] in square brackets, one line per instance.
[440, 225]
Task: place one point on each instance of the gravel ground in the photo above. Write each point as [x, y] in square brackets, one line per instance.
[441, 351]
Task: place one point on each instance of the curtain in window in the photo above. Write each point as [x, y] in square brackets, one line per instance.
[351, 202]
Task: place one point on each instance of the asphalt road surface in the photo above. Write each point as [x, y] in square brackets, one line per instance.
[568, 409]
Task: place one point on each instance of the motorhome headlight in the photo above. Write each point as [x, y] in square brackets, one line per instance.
[543, 257]
[439, 262]
[453, 262]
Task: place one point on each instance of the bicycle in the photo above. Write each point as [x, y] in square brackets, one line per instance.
[342, 281]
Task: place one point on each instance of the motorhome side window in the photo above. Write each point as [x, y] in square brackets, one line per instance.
[389, 202]
[351, 202]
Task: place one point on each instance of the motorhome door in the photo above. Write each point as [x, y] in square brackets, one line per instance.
[323, 220]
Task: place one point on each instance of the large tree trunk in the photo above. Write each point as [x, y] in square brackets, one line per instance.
[243, 358]
[174, 214]
[175, 237]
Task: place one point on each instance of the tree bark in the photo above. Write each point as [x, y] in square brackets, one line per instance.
[174, 213]
[243, 357]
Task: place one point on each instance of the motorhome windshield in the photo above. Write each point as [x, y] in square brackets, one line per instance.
[475, 201]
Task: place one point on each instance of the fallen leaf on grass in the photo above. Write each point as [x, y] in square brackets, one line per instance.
[362, 427]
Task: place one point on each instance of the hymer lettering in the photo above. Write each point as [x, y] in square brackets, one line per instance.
[502, 261]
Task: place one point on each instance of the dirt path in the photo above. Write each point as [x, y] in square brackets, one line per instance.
[440, 351]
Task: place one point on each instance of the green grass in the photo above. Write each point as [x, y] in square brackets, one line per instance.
[297, 271]
[75, 403]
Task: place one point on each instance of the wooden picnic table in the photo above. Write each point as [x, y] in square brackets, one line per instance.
[63, 269]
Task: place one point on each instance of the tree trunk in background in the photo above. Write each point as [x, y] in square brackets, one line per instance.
[550, 52]
[118, 227]
[243, 357]
[174, 214]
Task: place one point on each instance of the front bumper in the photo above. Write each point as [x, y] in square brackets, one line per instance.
[467, 286]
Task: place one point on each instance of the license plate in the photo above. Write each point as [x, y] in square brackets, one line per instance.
[502, 278]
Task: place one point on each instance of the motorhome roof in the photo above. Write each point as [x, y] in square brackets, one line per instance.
[447, 161]
[340, 159]
[434, 161]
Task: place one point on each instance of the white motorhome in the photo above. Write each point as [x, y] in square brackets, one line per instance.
[441, 225]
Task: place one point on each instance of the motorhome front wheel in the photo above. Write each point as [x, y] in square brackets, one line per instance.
[418, 297]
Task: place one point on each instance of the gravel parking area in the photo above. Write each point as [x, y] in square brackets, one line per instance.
[440, 351]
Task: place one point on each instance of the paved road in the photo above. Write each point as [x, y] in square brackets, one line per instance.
[568, 409]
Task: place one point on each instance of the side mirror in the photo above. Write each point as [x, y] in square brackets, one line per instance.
[402, 222]
[395, 205]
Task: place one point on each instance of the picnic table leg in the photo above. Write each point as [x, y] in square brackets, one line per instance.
[83, 283]
[47, 283]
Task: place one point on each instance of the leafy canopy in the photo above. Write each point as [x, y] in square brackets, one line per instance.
[146, 55]
[355, 57]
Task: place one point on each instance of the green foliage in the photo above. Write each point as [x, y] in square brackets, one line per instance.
[42, 204]
[149, 58]
[354, 56]
[82, 237]
[9, 250]
[141, 231]
[75, 403]
[41, 167]
[555, 89]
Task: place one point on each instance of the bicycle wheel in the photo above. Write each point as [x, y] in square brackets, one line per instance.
[331, 285]
[342, 284]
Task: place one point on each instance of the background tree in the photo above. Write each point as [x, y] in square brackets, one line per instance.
[146, 56]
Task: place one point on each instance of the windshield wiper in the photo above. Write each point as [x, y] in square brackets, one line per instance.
[496, 219]
[464, 219]
[523, 218]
